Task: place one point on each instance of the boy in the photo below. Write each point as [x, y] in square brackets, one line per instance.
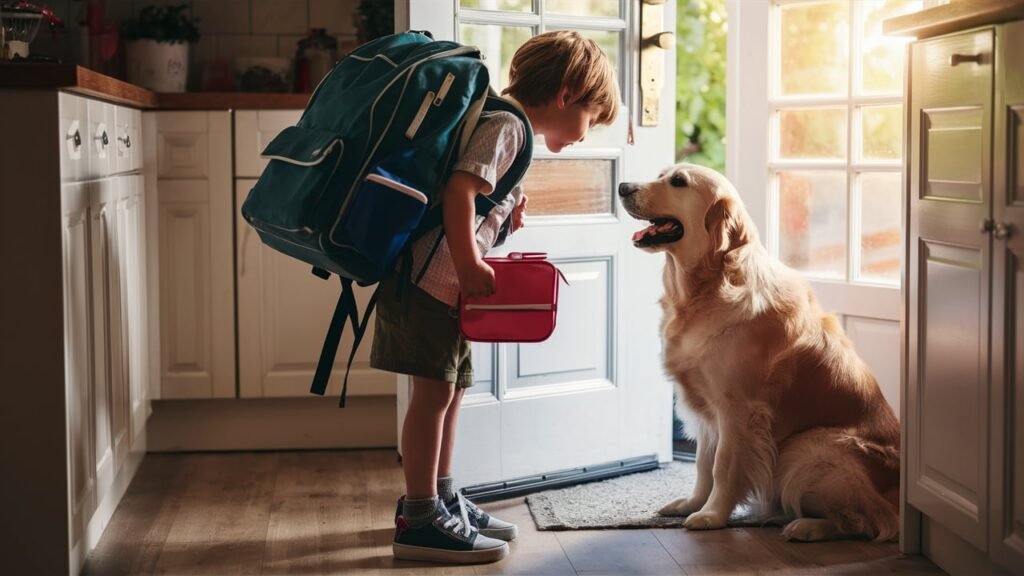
[565, 85]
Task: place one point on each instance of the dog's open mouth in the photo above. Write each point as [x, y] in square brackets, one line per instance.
[661, 231]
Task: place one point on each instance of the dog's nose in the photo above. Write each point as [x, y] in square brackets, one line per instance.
[627, 188]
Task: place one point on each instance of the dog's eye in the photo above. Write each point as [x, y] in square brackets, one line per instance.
[679, 181]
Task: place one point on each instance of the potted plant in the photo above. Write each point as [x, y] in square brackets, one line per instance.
[157, 46]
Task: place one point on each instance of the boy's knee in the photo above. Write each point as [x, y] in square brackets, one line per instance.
[433, 392]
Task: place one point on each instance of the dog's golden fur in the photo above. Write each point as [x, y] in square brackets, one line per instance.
[785, 414]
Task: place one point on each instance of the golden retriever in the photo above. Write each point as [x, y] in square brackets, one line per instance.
[786, 416]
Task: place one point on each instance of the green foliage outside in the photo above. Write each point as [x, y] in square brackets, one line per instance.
[700, 82]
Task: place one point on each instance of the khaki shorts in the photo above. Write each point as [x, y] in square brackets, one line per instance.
[419, 337]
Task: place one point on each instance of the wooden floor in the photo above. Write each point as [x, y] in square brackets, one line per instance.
[330, 512]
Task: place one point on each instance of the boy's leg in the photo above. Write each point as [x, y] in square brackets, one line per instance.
[451, 420]
[488, 525]
[422, 435]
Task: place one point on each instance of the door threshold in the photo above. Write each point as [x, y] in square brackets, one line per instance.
[560, 479]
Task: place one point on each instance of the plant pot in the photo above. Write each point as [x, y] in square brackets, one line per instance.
[159, 66]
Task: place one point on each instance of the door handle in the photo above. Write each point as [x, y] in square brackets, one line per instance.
[1002, 231]
[654, 40]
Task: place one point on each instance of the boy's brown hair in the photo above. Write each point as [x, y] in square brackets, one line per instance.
[564, 58]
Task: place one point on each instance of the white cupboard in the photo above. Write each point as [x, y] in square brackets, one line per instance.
[197, 300]
[963, 469]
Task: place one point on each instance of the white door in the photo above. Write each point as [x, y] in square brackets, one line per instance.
[815, 149]
[595, 391]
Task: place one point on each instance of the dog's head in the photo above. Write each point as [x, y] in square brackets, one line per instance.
[694, 212]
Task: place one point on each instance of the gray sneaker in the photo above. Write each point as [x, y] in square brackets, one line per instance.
[489, 525]
[447, 538]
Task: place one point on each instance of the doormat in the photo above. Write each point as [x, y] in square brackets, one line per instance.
[629, 501]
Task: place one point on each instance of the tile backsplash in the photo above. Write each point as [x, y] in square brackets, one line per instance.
[231, 29]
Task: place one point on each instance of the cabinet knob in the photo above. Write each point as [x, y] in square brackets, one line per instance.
[75, 138]
[1002, 231]
[986, 226]
[127, 141]
[957, 59]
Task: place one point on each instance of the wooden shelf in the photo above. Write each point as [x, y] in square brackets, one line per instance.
[957, 15]
[89, 83]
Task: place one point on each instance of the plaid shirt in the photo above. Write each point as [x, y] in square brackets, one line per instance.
[490, 153]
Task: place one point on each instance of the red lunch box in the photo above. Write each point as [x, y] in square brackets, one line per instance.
[524, 306]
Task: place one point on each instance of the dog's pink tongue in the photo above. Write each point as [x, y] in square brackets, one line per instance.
[639, 234]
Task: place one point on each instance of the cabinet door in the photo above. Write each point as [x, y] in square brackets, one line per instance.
[136, 303]
[283, 315]
[77, 345]
[949, 268]
[197, 300]
[1007, 471]
[102, 206]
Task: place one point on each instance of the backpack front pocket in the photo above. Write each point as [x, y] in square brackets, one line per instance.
[383, 212]
[288, 201]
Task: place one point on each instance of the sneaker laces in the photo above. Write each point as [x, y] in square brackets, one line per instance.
[460, 522]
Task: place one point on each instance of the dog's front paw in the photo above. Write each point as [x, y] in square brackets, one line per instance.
[705, 520]
[809, 530]
[680, 507]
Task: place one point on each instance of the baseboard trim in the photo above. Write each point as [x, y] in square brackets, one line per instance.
[272, 424]
[529, 484]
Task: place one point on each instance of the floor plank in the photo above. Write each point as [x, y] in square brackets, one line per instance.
[332, 512]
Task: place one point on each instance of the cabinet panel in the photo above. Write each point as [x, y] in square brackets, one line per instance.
[101, 211]
[1007, 397]
[952, 153]
[283, 315]
[182, 145]
[120, 317]
[185, 269]
[253, 131]
[77, 362]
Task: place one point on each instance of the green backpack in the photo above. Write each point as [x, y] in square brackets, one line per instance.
[362, 173]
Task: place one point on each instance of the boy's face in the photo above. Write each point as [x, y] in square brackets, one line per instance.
[569, 124]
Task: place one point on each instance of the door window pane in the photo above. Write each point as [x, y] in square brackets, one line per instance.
[603, 8]
[812, 221]
[881, 56]
[818, 133]
[570, 186]
[498, 44]
[880, 226]
[881, 132]
[507, 5]
[814, 48]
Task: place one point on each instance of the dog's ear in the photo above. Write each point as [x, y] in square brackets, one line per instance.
[727, 229]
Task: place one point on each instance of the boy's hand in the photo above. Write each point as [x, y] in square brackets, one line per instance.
[518, 212]
[476, 280]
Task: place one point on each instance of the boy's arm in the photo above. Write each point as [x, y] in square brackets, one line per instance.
[476, 278]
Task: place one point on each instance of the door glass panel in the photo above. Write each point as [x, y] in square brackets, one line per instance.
[507, 5]
[601, 8]
[881, 132]
[498, 44]
[813, 133]
[570, 186]
[814, 48]
[880, 226]
[812, 222]
[882, 56]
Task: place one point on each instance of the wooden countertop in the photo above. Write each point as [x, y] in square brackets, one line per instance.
[957, 15]
[84, 81]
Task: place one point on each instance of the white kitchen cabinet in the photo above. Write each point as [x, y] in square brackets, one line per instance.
[197, 300]
[254, 129]
[283, 315]
[964, 470]
[77, 355]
